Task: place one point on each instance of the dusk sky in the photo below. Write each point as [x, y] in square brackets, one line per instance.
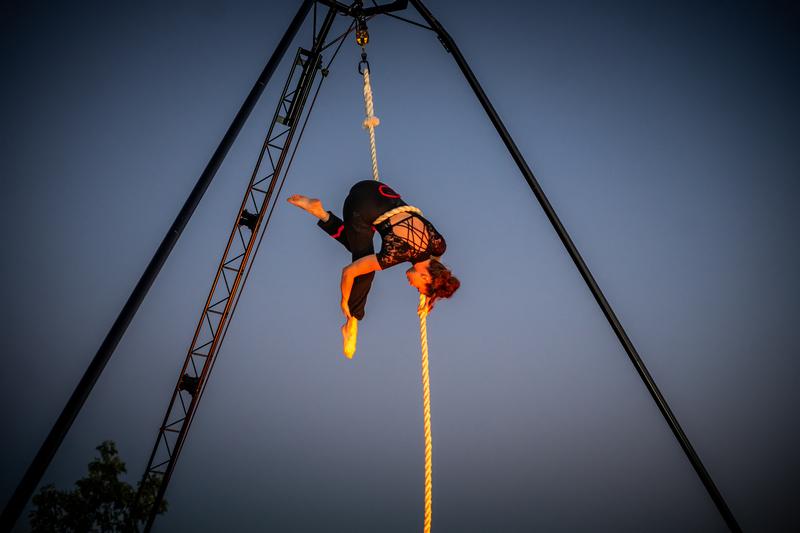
[667, 137]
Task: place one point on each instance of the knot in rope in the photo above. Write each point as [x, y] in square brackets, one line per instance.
[370, 122]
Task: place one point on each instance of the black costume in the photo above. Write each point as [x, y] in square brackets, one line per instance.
[407, 240]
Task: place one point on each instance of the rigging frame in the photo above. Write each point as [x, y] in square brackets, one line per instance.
[48, 449]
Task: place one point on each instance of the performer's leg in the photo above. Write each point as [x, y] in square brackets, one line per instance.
[359, 238]
[360, 241]
[358, 295]
[358, 234]
[334, 226]
[330, 223]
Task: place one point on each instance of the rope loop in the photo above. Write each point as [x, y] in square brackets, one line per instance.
[392, 212]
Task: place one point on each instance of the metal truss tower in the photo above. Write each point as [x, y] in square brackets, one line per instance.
[227, 285]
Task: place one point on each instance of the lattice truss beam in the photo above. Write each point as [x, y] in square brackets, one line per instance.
[238, 254]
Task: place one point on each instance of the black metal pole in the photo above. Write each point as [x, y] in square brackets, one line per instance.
[48, 449]
[705, 477]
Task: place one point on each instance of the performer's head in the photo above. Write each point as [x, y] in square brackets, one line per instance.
[432, 279]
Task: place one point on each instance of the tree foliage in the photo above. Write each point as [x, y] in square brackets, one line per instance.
[99, 502]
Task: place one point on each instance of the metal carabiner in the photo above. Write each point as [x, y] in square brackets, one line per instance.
[363, 63]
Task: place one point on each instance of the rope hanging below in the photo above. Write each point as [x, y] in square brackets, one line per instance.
[369, 123]
[426, 409]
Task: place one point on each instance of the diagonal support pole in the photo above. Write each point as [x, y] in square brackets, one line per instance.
[683, 440]
[45, 455]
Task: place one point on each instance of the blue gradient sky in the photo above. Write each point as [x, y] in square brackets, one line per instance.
[666, 136]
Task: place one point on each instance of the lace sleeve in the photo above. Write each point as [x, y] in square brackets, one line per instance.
[411, 239]
[394, 250]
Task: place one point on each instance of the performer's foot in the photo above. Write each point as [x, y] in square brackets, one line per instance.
[349, 337]
[311, 205]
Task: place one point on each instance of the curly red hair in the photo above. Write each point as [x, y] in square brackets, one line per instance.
[442, 285]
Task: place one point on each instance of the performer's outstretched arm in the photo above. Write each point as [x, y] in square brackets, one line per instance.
[365, 265]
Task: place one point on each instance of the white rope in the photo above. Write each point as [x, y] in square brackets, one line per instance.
[392, 212]
[426, 411]
[370, 122]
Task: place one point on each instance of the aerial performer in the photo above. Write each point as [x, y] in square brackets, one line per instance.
[405, 236]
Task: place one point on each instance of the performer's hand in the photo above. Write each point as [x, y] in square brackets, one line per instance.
[346, 309]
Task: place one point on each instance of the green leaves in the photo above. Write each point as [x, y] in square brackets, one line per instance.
[100, 501]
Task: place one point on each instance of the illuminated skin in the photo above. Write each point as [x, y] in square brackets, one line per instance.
[418, 275]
